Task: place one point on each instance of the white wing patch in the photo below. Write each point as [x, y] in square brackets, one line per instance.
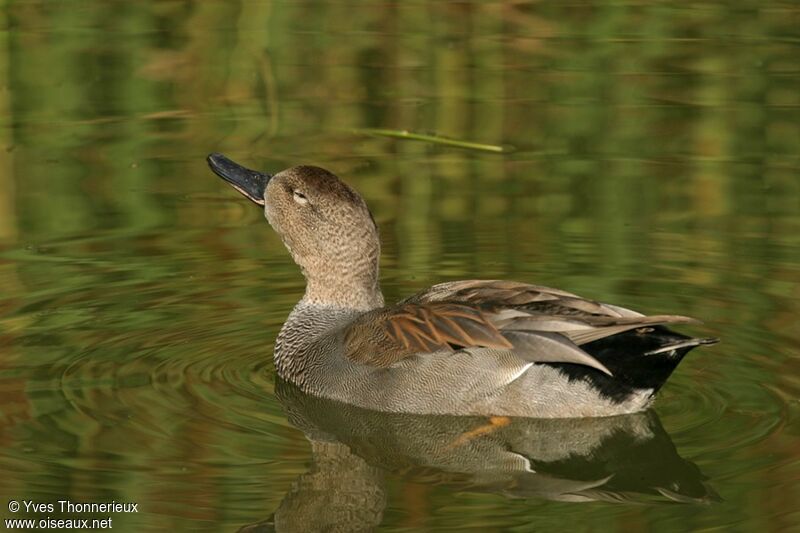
[519, 373]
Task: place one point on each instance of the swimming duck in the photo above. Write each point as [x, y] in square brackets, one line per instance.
[474, 347]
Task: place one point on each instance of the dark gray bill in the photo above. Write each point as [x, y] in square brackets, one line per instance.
[248, 182]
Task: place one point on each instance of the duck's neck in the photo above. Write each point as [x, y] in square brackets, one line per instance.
[305, 342]
[347, 287]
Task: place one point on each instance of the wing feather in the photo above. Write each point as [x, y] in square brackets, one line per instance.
[537, 324]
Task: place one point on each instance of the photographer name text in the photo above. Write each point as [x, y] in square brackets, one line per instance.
[67, 507]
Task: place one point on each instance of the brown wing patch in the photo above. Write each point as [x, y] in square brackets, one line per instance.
[436, 326]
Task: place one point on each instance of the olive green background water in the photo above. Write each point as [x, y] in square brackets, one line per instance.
[652, 160]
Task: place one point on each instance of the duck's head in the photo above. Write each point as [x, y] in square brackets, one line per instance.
[325, 225]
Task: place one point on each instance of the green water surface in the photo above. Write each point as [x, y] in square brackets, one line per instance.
[650, 158]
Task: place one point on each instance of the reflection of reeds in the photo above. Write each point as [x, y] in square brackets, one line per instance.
[8, 223]
[433, 139]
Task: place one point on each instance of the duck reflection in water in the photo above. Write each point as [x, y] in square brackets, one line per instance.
[628, 458]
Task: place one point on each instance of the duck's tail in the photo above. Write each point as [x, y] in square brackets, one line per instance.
[684, 345]
[641, 359]
[644, 358]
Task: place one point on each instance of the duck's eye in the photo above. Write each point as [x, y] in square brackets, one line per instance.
[299, 197]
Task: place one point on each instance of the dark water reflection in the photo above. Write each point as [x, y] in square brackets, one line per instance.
[656, 166]
[616, 459]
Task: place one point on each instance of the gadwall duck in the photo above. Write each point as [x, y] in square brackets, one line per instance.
[475, 347]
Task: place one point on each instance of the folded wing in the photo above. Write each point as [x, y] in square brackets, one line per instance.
[537, 324]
